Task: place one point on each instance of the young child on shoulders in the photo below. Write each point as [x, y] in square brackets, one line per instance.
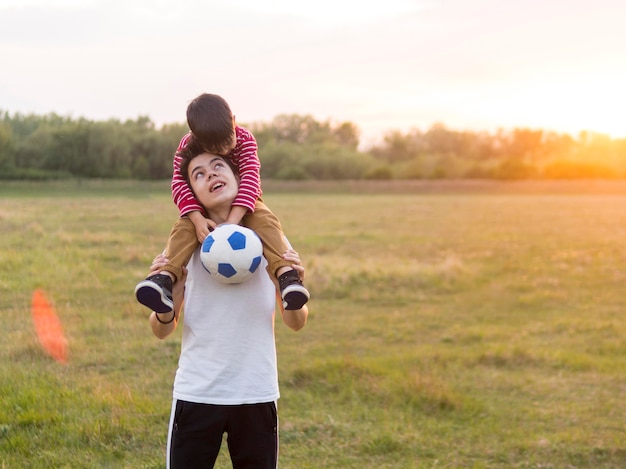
[213, 128]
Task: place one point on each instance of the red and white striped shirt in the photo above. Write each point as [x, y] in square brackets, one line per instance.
[246, 158]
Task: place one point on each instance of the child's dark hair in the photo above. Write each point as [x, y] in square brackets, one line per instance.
[192, 149]
[211, 121]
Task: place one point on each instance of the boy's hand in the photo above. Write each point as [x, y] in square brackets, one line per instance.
[203, 225]
[296, 263]
[158, 263]
[203, 228]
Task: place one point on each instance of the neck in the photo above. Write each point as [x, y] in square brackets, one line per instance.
[220, 215]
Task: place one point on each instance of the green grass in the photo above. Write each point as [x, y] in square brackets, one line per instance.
[453, 326]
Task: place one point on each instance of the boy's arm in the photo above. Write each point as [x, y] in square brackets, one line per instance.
[202, 224]
[181, 192]
[295, 319]
[237, 212]
[184, 199]
[246, 157]
[163, 325]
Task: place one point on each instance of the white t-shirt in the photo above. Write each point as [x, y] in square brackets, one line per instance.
[228, 351]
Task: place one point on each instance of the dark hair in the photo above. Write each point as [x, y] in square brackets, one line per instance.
[192, 149]
[211, 121]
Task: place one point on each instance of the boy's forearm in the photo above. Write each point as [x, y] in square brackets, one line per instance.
[237, 212]
[195, 217]
[166, 323]
[296, 319]
[163, 327]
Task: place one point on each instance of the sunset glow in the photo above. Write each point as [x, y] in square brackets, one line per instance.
[394, 65]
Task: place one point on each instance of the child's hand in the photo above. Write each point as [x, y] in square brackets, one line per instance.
[203, 227]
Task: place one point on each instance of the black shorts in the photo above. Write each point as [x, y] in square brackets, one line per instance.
[196, 430]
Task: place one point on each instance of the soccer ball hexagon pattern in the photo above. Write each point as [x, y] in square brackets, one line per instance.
[231, 253]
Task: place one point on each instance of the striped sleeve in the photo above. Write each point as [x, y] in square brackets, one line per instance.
[246, 157]
[181, 192]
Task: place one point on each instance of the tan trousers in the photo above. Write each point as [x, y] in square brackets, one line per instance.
[183, 240]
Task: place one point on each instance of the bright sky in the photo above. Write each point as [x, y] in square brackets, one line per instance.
[384, 65]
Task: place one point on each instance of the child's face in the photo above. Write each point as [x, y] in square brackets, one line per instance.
[227, 146]
[225, 149]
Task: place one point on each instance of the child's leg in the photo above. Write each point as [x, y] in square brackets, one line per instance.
[267, 225]
[180, 246]
[155, 292]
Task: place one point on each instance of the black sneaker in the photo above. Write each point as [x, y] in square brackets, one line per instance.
[292, 291]
[155, 292]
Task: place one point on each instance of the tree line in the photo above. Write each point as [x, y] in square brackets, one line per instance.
[300, 147]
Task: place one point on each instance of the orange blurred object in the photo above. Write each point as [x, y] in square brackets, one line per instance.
[48, 327]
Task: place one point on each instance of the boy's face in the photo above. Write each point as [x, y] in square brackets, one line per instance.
[213, 181]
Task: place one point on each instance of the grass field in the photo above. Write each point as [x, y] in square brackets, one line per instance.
[451, 326]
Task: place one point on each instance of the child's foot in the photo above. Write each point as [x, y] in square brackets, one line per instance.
[292, 291]
[155, 292]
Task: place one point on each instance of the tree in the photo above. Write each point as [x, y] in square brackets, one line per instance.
[6, 147]
[294, 146]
